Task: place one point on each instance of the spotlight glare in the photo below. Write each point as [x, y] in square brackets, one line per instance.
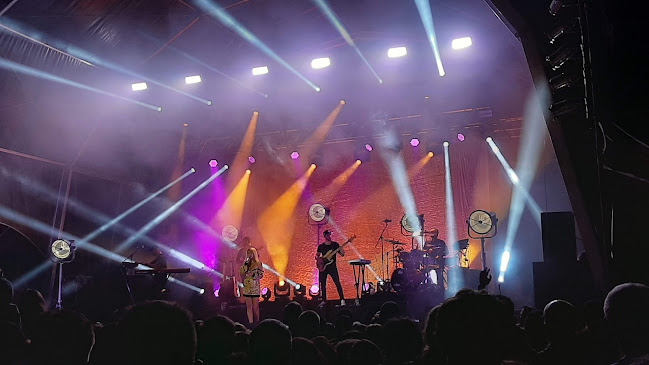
[430, 154]
[501, 277]
[248, 171]
[139, 86]
[281, 283]
[213, 163]
[460, 137]
[195, 79]
[489, 140]
[368, 147]
[342, 102]
[202, 291]
[295, 155]
[159, 109]
[192, 169]
[414, 142]
[318, 63]
[251, 159]
[313, 166]
[209, 103]
[504, 261]
[216, 293]
[314, 291]
[261, 70]
[317, 89]
[445, 143]
[358, 162]
[397, 52]
[460, 43]
[185, 124]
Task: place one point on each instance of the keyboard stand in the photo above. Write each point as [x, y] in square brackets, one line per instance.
[359, 279]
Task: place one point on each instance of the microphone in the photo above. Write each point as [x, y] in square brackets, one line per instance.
[387, 220]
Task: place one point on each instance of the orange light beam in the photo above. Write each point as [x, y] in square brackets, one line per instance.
[232, 210]
[329, 191]
[318, 136]
[240, 163]
[277, 222]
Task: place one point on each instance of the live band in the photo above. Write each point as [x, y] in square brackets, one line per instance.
[423, 264]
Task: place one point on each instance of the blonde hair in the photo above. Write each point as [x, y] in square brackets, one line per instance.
[255, 262]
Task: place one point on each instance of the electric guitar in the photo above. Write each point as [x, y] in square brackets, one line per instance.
[325, 260]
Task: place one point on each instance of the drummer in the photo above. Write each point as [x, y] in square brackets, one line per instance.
[433, 246]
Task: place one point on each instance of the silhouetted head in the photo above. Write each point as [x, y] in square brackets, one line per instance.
[365, 352]
[560, 318]
[52, 330]
[157, 332]
[215, 339]
[389, 310]
[326, 349]
[305, 352]
[343, 349]
[431, 326]
[403, 341]
[476, 318]
[292, 312]
[308, 325]
[343, 324]
[374, 333]
[627, 311]
[31, 303]
[270, 343]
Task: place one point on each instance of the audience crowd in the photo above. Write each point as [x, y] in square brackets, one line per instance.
[472, 327]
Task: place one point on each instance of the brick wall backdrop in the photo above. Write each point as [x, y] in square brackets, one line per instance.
[368, 198]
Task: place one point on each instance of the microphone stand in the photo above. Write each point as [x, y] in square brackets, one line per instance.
[382, 251]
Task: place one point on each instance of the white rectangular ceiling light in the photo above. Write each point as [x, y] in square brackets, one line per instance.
[139, 86]
[320, 63]
[397, 52]
[262, 70]
[460, 43]
[193, 79]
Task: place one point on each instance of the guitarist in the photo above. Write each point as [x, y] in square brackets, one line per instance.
[331, 269]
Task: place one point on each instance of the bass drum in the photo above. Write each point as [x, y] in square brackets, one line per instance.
[406, 280]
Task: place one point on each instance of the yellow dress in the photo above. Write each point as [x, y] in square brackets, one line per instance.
[251, 278]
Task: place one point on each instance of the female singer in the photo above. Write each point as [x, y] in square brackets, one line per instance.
[251, 273]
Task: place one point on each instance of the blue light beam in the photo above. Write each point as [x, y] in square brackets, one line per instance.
[164, 215]
[17, 67]
[229, 22]
[87, 56]
[335, 21]
[455, 280]
[423, 6]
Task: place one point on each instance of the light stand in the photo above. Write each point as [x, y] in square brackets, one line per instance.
[384, 265]
[482, 224]
[62, 252]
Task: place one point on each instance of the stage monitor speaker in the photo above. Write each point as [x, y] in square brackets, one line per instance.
[558, 233]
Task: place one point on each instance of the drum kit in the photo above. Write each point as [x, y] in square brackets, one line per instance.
[418, 268]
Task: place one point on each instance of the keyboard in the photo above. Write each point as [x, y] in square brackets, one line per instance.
[360, 262]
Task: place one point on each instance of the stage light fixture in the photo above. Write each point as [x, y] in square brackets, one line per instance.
[555, 6]
[397, 52]
[460, 137]
[300, 291]
[265, 293]
[261, 70]
[414, 142]
[213, 163]
[195, 79]
[313, 166]
[342, 102]
[431, 154]
[489, 140]
[202, 291]
[248, 171]
[563, 54]
[295, 155]
[368, 147]
[314, 291]
[139, 86]
[282, 289]
[251, 159]
[318, 63]
[216, 293]
[445, 144]
[317, 89]
[460, 43]
[563, 80]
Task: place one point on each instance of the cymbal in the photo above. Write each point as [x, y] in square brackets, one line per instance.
[394, 242]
